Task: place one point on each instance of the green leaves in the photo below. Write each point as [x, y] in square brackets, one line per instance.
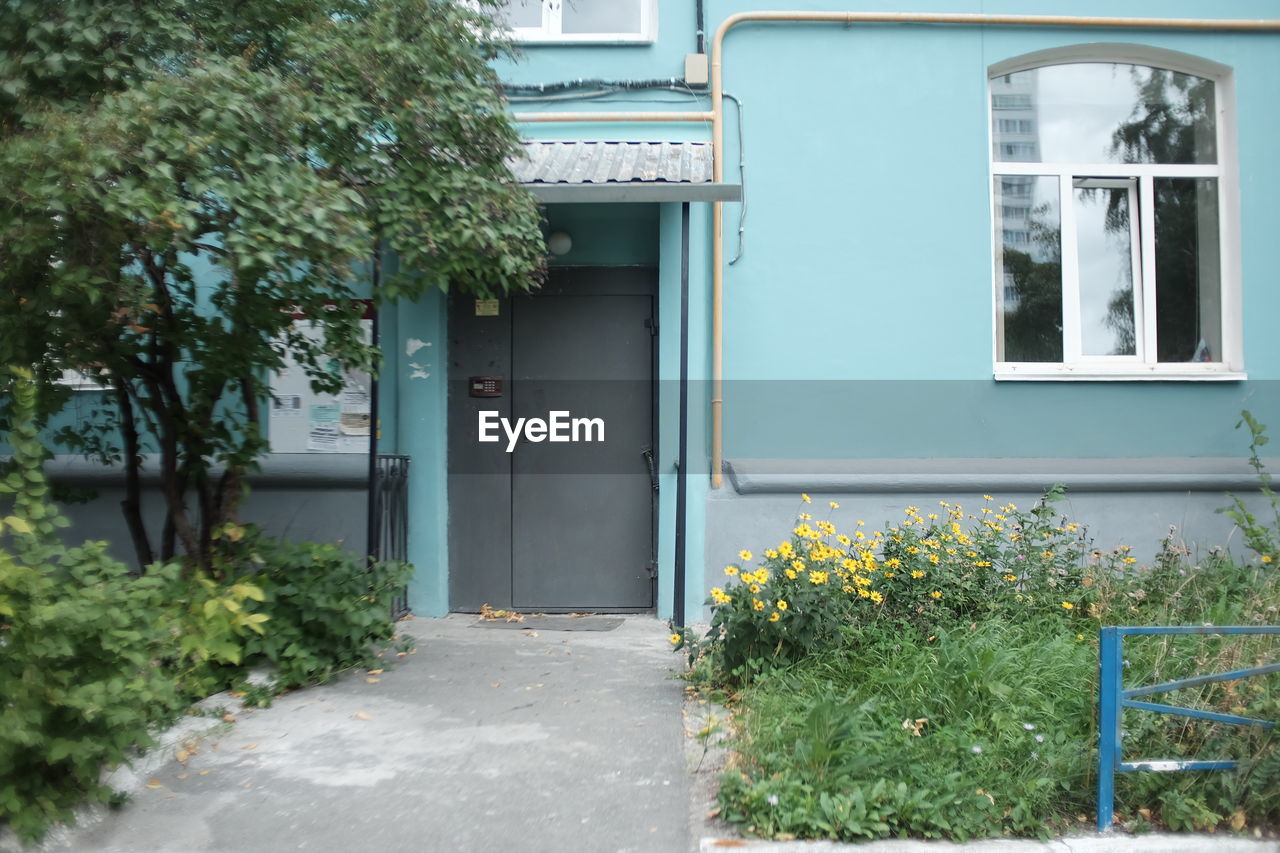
[181, 177]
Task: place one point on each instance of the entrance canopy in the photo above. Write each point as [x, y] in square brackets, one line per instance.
[620, 172]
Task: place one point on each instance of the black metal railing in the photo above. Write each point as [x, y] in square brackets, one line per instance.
[389, 534]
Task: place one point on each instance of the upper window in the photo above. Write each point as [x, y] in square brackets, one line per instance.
[581, 20]
[1107, 180]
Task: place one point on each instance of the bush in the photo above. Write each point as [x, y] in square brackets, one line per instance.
[937, 679]
[92, 659]
[79, 679]
[326, 610]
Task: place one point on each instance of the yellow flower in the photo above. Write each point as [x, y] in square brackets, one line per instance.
[936, 594]
[798, 565]
[775, 616]
[744, 555]
[1011, 578]
[1067, 605]
[818, 577]
[785, 549]
[1266, 558]
[757, 604]
[791, 574]
[806, 499]
[835, 505]
[781, 605]
[876, 597]
[771, 554]
[934, 558]
[1048, 555]
[755, 588]
[1131, 559]
[916, 573]
[762, 575]
[804, 516]
[987, 498]
[730, 570]
[675, 639]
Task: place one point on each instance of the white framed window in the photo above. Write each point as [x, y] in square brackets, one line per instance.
[1114, 242]
[569, 21]
[80, 381]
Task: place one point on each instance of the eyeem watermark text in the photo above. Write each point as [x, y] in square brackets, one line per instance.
[559, 426]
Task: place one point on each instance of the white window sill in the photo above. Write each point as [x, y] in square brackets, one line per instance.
[1126, 373]
[583, 39]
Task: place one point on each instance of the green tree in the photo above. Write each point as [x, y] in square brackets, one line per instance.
[178, 178]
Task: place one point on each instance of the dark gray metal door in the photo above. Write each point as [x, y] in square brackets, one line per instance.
[565, 524]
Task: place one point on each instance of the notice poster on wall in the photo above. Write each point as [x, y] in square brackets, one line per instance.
[303, 421]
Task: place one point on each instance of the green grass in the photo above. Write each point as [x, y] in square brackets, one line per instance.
[954, 728]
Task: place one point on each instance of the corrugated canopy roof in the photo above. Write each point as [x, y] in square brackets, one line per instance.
[620, 172]
[613, 162]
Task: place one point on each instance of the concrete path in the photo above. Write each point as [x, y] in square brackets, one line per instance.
[487, 738]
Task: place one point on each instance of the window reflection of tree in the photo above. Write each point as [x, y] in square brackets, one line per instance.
[1033, 316]
[1172, 122]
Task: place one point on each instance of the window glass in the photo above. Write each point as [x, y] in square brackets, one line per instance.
[1029, 267]
[599, 16]
[1109, 113]
[521, 13]
[1188, 264]
[1104, 253]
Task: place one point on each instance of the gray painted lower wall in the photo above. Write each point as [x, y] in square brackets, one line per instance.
[1134, 503]
[298, 496]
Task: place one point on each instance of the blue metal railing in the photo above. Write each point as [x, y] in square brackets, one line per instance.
[1113, 698]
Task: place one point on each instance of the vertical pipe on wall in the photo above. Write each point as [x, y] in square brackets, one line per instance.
[372, 544]
[682, 461]
[702, 28]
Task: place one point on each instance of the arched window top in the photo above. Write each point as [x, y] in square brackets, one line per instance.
[1105, 112]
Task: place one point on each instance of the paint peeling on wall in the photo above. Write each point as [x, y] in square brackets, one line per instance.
[414, 345]
[419, 371]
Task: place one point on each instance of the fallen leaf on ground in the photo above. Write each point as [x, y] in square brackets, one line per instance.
[182, 755]
[250, 746]
[361, 715]
[183, 775]
[375, 672]
[228, 718]
[372, 680]
[204, 772]
[154, 783]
